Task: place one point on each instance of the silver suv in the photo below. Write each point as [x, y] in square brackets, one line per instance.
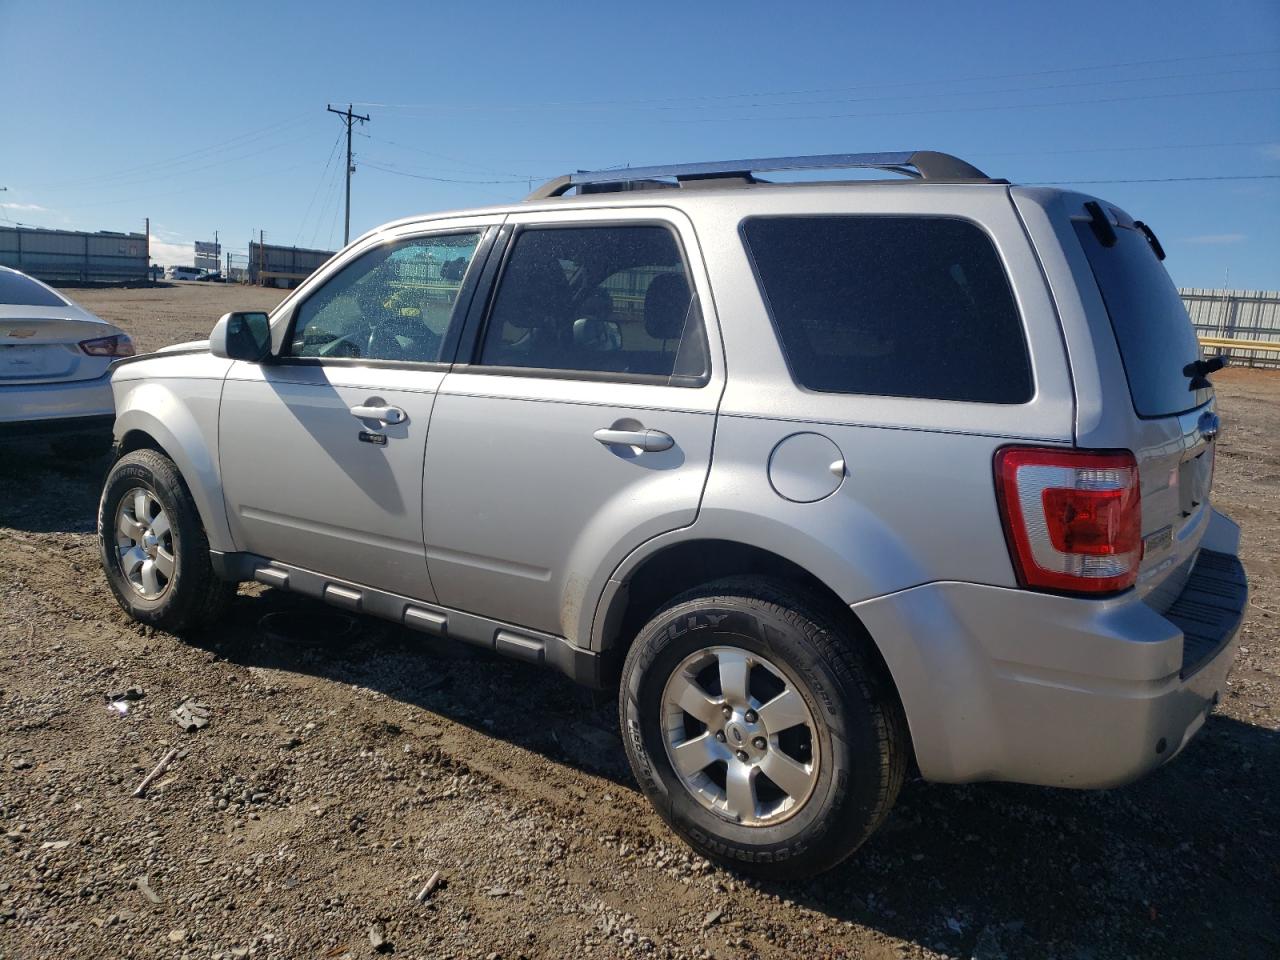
[826, 479]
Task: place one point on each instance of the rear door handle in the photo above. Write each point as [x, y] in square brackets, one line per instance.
[382, 414]
[650, 441]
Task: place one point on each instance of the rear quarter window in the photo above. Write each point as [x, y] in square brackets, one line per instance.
[901, 306]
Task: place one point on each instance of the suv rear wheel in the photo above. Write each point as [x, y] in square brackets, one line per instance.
[762, 735]
[154, 549]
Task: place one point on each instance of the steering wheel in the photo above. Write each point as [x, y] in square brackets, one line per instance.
[345, 346]
[386, 341]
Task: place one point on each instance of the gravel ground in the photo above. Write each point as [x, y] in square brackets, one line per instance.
[338, 775]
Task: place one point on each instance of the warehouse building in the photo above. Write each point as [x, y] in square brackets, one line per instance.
[277, 266]
[59, 256]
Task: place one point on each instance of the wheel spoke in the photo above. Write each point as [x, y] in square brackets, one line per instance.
[693, 700]
[150, 583]
[131, 558]
[734, 674]
[165, 564]
[697, 754]
[791, 777]
[160, 525]
[740, 791]
[140, 511]
[130, 528]
[784, 711]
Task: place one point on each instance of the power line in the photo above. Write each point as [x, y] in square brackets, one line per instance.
[419, 176]
[1055, 183]
[861, 86]
[442, 156]
[1129, 149]
[978, 108]
[229, 144]
[332, 192]
[302, 224]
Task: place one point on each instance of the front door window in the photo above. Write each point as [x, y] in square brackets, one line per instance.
[392, 303]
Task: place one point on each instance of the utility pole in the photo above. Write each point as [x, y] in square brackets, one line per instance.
[348, 118]
[148, 248]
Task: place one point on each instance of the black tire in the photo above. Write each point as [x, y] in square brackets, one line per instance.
[194, 597]
[860, 735]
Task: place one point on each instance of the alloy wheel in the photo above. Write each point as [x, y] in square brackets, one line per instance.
[740, 736]
[144, 543]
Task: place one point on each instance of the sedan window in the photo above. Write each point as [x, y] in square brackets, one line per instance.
[23, 291]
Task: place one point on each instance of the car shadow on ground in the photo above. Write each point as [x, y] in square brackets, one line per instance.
[1180, 859]
[46, 492]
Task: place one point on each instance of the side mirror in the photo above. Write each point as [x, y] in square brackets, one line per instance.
[241, 336]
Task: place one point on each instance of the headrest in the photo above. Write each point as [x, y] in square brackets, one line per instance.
[666, 304]
[539, 293]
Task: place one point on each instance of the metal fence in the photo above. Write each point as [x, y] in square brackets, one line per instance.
[1247, 315]
[62, 255]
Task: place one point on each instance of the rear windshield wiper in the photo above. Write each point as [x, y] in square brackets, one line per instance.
[1151, 239]
[1199, 371]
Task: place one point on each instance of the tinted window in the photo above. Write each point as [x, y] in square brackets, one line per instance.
[612, 299]
[17, 289]
[1152, 328]
[392, 303]
[892, 306]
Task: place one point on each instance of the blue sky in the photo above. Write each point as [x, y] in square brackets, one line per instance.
[212, 117]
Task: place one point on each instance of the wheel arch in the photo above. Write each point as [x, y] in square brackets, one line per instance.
[634, 596]
[179, 437]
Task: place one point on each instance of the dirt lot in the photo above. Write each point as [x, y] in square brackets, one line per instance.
[337, 775]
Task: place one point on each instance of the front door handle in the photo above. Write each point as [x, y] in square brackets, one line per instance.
[382, 414]
[650, 441]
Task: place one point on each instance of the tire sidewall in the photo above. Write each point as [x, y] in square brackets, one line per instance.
[844, 733]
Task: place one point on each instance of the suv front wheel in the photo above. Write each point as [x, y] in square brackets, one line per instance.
[154, 550]
[762, 735]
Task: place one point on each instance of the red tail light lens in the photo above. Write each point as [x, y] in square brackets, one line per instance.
[1073, 518]
[115, 346]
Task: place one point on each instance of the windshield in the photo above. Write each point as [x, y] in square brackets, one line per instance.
[17, 289]
[1153, 331]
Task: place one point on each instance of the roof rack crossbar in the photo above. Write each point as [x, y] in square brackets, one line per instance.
[920, 164]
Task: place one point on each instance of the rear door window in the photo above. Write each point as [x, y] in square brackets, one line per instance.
[1153, 331]
[609, 300]
[892, 306]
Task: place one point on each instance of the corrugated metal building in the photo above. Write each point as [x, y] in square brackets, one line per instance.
[61, 255]
[1240, 315]
[277, 266]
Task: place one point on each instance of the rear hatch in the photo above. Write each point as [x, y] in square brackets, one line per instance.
[42, 345]
[1176, 423]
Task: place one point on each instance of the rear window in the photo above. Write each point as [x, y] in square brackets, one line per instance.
[892, 306]
[1152, 328]
[17, 289]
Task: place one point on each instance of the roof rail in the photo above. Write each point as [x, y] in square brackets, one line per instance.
[917, 164]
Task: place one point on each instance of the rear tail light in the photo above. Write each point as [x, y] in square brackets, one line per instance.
[118, 345]
[1073, 518]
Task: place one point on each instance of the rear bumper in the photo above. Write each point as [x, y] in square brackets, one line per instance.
[1002, 684]
[44, 403]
